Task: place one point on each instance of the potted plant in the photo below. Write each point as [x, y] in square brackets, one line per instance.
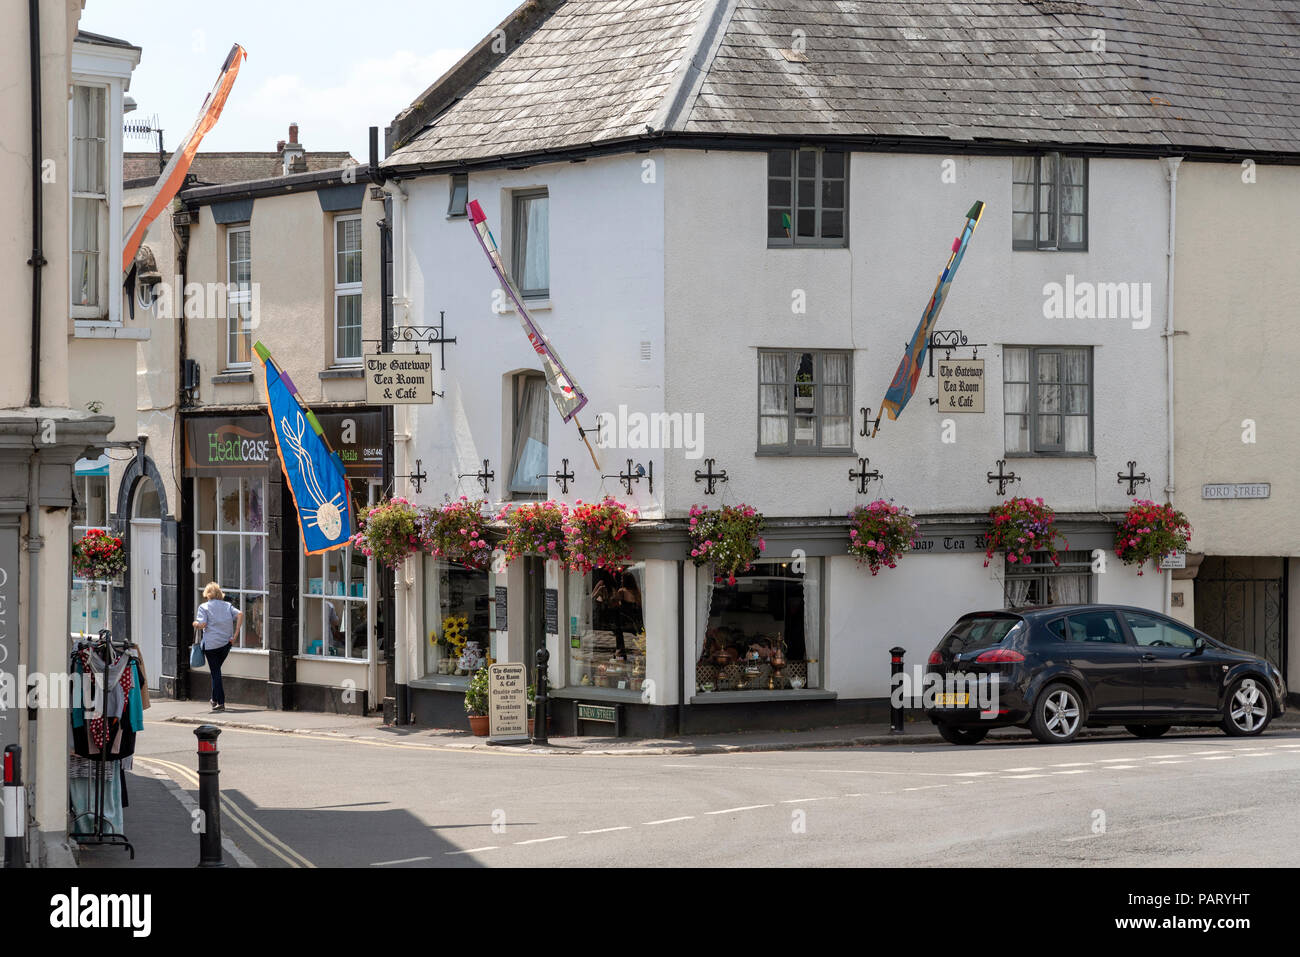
[1149, 532]
[476, 702]
[535, 528]
[389, 531]
[457, 531]
[880, 534]
[1020, 527]
[98, 556]
[728, 538]
[595, 535]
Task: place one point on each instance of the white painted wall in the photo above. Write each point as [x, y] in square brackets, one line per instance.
[727, 293]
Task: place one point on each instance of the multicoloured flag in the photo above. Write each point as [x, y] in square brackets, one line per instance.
[312, 469]
[173, 177]
[568, 398]
[909, 369]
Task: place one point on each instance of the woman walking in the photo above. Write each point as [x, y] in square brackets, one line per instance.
[219, 621]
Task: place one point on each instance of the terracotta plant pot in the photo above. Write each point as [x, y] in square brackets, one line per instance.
[478, 723]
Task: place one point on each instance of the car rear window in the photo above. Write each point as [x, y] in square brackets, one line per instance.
[977, 634]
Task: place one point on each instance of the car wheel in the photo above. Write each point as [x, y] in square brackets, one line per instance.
[1058, 715]
[1146, 730]
[1247, 710]
[961, 735]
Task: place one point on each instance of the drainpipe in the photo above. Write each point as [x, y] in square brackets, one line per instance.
[681, 646]
[38, 257]
[1171, 174]
[35, 543]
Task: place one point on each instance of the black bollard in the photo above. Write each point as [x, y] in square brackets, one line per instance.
[15, 807]
[209, 797]
[539, 699]
[895, 709]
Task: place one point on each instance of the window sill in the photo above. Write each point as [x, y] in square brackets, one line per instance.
[580, 692]
[232, 378]
[1051, 455]
[332, 658]
[441, 683]
[830, 244]
[810, 453]
[341, 372]
[732, 697]
[250, 651]
[541, 304]
[94, 329]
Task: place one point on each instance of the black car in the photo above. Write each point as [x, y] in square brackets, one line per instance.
[1061, 668]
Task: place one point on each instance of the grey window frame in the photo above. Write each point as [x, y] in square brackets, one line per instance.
[238, 294]
[517, 252]
[1047, 451]
[790, 449]
[520, 379]
[454, 212]
[1043, 572]
[795, 241]
[1039, 243]
[347, 290]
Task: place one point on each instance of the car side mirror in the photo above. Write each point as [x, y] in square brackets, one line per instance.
[1199, 647]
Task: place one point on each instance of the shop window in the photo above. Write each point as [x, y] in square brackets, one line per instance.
[230, 533]
[337, 602]
[90, 600]
[1043, 583]
[457, 602]
[762, 633]
[528, 447]
[607, 639]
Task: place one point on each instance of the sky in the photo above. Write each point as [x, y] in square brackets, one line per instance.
[336, 68]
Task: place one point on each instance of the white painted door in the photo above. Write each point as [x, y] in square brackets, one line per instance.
[146, 595]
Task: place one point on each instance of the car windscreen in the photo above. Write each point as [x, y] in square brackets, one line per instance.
[977, 634]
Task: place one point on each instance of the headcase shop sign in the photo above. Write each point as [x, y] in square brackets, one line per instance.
[241, 445]
[399, 379]
[961, 385]
[1236, 490]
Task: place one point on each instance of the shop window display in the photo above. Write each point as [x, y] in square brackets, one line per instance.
[457, 618]
[763, 633]
[607, 639]
[231, 536]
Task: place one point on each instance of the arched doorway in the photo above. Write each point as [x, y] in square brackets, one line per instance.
[146, 577]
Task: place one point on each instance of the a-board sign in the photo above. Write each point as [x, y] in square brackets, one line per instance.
[507, 702]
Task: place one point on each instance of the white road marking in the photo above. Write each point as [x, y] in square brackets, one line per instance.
[1121, 767]
[1117, 760]
[543, 840]
[931, 787]
[1170, 762]
[1073, 764]
[473, 850]
[972, 774]
[674, 820]
[1021, 777]
[1221, 757]
[1175, 822]
[405, 860]
[1152, 757]
[747, 807]
[809, 800]
[1016, 770]
[1257, 754]
[1215, 751]
[606, 830]
[1072, 772]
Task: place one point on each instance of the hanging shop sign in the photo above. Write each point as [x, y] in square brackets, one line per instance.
[507, 702]
[399, 378]
[358, 438]
[1236, 490]
[961, 385]
[239, 446]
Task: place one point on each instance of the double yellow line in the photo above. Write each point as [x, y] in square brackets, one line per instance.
[237, 814]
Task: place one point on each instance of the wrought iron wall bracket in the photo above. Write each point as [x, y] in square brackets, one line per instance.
[429, 335]
[630, 476]
[867, 425]
[563, 475]
[1134, 478]
[947, 341]
[1003, 478]
[863, 477]
[710, 477]
[418, 477]
[483, 477]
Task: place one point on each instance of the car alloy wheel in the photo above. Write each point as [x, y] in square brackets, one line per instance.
[1247, 710]
[1058, 715]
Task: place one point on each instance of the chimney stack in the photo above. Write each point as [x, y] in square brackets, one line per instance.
[293, 132]
[292, 156]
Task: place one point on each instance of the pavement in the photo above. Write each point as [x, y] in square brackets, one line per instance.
[917, 730]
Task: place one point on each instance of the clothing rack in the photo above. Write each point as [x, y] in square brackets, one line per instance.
[102, 645]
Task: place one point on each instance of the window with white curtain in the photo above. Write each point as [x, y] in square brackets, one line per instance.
[1049, 202]
[239, 297]
[347, 289]
[528, 443]
[89, 227]
[532, 255]
[1047, 399]
[1043, 583]
[91, 601]
[804, 400]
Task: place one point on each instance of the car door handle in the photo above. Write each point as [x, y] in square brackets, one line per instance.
[1149, 657]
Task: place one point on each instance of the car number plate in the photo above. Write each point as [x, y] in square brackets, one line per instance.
[954, 700]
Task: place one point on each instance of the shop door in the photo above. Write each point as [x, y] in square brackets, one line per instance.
[534, 608]
[1242, 601]
[146, 595]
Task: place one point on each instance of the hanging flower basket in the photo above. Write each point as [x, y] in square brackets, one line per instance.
[595, 535]
[1020, 527]
[98, 556]
[535, 529]
[728, 538]
[389, 531]
[457, 531]
[1149, 532]
[880, 534]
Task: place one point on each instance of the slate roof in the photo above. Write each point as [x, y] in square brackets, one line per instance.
[220, 168]
[1172, 75]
